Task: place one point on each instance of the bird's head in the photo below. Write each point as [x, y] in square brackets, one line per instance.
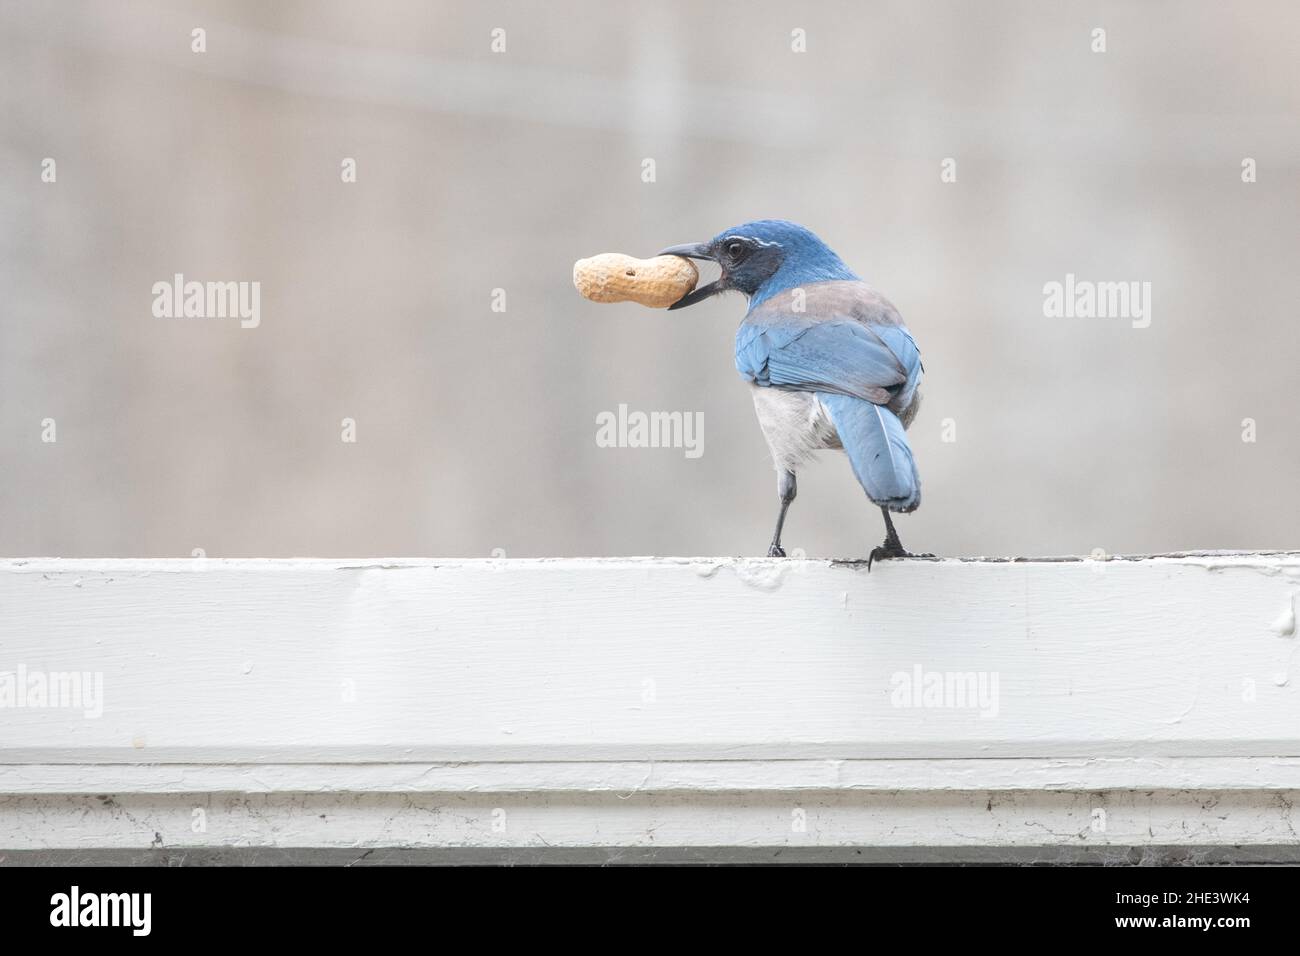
[760, 259]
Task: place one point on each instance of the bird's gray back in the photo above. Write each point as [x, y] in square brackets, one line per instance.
[827, 302]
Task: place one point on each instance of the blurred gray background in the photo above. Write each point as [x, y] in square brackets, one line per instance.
[476, 429]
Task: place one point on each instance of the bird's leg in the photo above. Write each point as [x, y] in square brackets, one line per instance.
[786, 489]
[891, 536]
[892, 548]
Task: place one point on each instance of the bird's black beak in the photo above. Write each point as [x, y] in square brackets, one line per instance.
[696, 250]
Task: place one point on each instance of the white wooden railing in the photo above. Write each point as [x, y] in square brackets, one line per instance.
[672, 708]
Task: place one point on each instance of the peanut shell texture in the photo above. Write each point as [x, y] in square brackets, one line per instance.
[656, 283]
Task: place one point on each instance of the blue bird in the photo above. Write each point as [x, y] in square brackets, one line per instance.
[829, 359]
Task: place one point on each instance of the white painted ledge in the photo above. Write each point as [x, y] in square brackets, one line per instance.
[632, 703]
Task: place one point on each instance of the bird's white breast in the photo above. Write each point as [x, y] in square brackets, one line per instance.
[795, 424]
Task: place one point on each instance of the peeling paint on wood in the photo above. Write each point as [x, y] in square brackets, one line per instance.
[710, 689]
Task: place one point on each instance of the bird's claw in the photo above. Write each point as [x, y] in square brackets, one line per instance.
[885, 552]
[776, 551]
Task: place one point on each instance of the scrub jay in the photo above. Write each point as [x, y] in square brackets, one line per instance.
[829, 360]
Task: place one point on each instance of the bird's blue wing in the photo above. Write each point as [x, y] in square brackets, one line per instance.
[837, 356]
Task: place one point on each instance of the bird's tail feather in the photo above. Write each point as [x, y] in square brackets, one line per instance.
[877, 447]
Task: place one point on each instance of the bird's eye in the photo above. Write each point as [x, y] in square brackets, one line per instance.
[735, 249]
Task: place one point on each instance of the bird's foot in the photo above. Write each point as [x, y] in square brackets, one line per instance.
[776, 551]
[888, 551]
